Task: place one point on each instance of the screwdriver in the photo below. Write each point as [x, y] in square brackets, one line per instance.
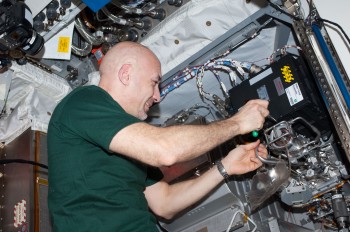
[255, 133]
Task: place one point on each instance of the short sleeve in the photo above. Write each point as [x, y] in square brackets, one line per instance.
[94, 116]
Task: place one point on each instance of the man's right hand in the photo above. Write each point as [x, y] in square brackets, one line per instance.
[251, 116]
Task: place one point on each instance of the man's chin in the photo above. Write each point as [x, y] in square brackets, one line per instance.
[143, 117]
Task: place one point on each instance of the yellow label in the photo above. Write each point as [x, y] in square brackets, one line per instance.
[63, 44]
[287, 74]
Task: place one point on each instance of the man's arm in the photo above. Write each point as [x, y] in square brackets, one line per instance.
[167, 200]
[166, 146]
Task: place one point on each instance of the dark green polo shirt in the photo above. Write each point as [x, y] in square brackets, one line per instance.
[90, 188]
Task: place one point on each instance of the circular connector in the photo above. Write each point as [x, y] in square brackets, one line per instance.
[176, 3]
[147, 24]
[128, 35]
[158, 14]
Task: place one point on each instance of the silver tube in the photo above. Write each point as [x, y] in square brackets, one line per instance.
[82, 51]
[263, 160]
[128, 9]
[116, 19]
[79, 25]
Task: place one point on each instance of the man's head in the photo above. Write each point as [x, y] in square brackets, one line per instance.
[131, 73]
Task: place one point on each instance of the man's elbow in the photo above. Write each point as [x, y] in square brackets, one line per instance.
[168, 216]
[163, 213]
[166, 157]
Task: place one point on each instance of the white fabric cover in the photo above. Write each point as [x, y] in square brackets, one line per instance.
[31, 100]
[188, 26]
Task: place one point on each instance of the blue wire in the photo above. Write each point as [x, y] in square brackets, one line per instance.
[332, 64]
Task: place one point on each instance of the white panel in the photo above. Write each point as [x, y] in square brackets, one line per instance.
[36, 6]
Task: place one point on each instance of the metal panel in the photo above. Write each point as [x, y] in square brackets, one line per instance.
[24, 186]
[17, 186]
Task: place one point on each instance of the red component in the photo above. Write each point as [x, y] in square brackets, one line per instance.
[98, 54]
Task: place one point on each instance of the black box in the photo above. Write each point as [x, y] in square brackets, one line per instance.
[289, 87]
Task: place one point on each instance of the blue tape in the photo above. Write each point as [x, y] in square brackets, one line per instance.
[96, 5]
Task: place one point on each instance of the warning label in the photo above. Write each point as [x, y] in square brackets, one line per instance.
[63, 44]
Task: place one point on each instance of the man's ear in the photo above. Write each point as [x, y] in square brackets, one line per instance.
[124, 74]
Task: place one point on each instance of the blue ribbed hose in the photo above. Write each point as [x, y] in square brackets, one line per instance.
[331, 64]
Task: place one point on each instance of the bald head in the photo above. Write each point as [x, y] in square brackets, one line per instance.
[130, 73]
[124, 53]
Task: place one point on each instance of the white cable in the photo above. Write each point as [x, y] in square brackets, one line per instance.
[244, 215]
[233, 218]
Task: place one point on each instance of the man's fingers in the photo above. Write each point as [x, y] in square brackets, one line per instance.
[251, 145]
[256, 160]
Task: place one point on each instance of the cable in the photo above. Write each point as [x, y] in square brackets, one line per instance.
[244, 215]
[22, 161]
[86, 34]
[310, 8]
[326, 21]
[337, 25]
[116, 19]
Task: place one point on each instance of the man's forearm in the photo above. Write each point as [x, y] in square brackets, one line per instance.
[189, 141]
[184, 194]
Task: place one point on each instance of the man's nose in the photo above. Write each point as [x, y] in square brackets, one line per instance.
[156, 94]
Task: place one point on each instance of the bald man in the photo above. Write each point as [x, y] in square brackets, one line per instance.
[103, 158]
